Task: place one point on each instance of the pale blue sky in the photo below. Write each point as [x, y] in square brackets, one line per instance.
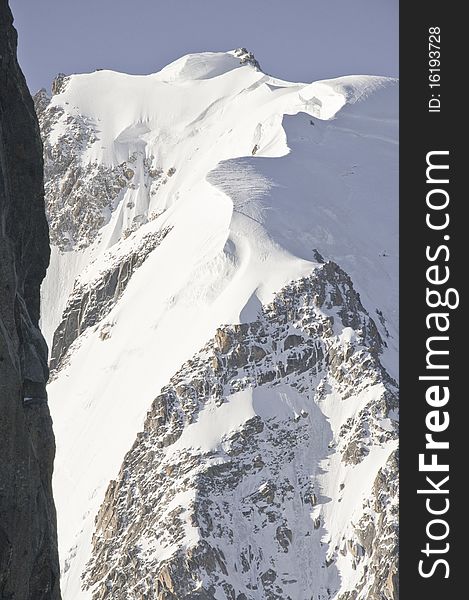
[298, 40]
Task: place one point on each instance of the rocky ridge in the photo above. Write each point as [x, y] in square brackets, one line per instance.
[244, 519]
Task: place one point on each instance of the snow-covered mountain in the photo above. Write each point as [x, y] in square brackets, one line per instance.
[222, 311]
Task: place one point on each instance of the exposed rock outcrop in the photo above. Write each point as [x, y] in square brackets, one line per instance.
[89, 303]
[28, 547]
[82, 194]
[247, 58]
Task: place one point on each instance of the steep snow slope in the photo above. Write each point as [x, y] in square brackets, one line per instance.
[183, 201]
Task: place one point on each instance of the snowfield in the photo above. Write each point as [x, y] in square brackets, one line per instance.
[255, 182]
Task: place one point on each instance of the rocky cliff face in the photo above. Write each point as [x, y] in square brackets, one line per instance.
[28, 547]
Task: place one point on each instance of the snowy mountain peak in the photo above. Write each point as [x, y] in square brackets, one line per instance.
[207, 65]
[185, 207]
[196, 66]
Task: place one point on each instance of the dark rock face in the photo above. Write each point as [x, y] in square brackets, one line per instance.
[28, 546]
